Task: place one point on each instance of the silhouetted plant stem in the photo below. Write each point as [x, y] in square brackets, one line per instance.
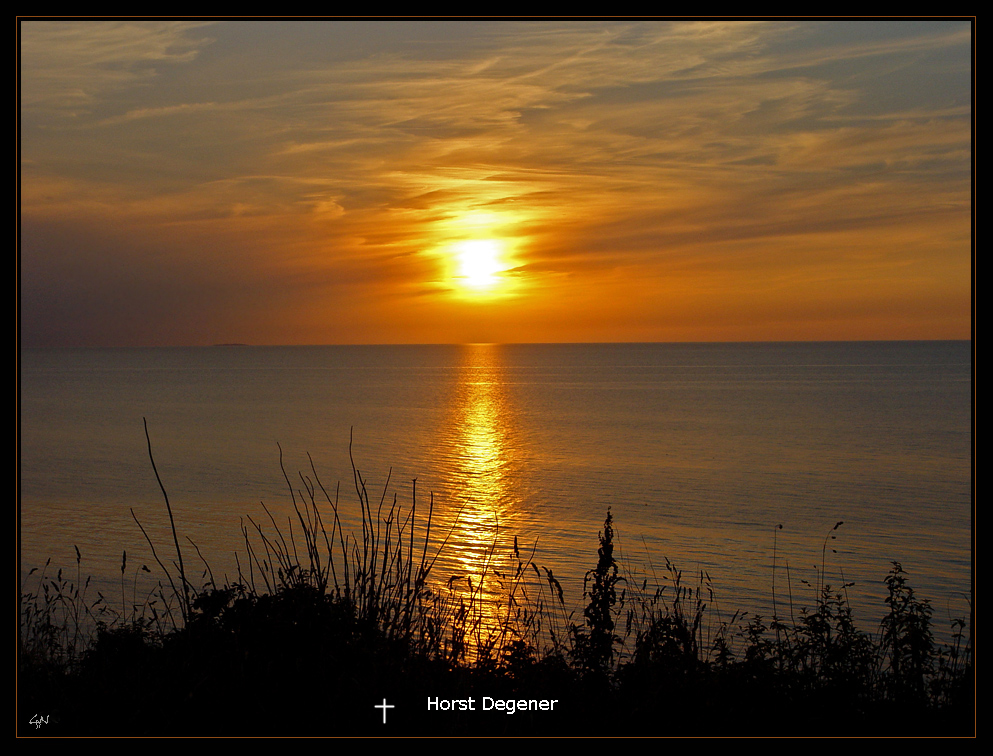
[172, 523]
[305, 631]
[155, 556]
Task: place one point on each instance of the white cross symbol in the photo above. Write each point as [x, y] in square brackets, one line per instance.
[384, 706]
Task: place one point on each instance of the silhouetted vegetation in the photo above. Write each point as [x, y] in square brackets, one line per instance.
[320, 626]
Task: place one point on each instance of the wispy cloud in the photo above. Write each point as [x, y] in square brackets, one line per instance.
[334, 162]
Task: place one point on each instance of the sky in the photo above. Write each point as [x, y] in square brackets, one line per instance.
[338, 182]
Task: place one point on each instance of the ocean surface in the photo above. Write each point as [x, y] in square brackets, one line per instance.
[700, 451]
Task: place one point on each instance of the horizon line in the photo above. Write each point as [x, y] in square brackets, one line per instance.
[489, 343]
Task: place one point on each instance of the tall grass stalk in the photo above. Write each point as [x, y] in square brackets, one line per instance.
[326, 599]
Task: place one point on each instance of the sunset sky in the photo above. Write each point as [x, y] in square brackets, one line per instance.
[325, 182]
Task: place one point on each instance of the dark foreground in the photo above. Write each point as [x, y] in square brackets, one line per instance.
[330, 643]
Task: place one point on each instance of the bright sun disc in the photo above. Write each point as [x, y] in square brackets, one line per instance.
[479, 263]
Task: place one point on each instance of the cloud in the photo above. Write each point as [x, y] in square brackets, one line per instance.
[335, 161]
[70, 67]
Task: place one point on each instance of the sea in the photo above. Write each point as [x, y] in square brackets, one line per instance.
[757, 472]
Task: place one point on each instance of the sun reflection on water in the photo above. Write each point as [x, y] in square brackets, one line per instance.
[480, 447]
[481, 453]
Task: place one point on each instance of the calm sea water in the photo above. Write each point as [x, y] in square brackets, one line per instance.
[699, 450]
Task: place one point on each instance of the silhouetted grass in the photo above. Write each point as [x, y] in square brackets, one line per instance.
[320, 625]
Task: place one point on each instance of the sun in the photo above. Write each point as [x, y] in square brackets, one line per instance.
[479, 263]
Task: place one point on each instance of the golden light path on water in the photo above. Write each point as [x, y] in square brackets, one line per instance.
[482, 453]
